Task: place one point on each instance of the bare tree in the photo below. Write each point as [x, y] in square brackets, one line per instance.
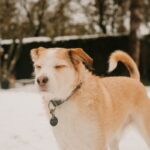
[122, 16]
[100, 6]
[106, 12]
[36, 18]
[58, 21]
[136, 20]
[8, 17]
[35, 14]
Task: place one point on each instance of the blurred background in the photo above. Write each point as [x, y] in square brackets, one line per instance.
[97, 26]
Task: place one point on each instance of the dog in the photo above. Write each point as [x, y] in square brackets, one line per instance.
[89, 112]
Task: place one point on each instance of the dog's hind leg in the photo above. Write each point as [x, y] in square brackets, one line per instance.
[114, 144]
[142, 121]
[144, 132]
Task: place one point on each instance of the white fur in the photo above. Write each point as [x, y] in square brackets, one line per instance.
[59, 85]
[112, 65]
[74, 131]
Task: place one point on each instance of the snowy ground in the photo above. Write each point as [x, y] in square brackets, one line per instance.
[25, 126]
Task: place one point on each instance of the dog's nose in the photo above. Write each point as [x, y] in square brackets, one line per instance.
[42, 80]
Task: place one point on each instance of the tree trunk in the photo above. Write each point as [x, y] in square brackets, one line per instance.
[100, 8]
[136, 20]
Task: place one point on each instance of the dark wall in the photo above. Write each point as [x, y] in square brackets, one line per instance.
[145, 59]
[98, 48]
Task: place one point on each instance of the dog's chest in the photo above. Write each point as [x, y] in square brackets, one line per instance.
[75, 131]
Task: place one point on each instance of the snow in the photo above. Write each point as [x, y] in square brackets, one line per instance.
[27, 40]
[24, 124]
[143, 30]
[75, 37]
[57, 39]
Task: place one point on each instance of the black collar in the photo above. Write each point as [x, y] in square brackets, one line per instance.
[56, 103]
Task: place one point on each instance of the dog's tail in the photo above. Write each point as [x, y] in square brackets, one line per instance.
[126, 60]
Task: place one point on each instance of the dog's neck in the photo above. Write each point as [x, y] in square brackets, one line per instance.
[57, 102]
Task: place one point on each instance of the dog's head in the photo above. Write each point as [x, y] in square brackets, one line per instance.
[58, 70]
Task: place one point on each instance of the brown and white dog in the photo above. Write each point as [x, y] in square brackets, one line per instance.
[91, 116]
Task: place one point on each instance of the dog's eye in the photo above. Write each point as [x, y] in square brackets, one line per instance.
[38, 67]
[59, 66]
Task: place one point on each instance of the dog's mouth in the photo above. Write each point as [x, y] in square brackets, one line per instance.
[43, 88]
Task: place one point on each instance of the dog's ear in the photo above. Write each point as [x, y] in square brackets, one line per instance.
[78, 55]
[36, 52]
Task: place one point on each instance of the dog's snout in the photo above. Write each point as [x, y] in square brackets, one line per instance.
[42, 80]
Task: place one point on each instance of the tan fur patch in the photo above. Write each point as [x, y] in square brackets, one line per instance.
[36, 52]
[78, 54]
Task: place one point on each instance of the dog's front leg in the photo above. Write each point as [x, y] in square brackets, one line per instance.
[114, 145]
[103, 145]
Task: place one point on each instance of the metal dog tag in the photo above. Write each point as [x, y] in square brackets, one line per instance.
[54, 121]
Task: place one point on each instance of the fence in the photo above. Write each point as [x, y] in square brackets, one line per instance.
[98, 47]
